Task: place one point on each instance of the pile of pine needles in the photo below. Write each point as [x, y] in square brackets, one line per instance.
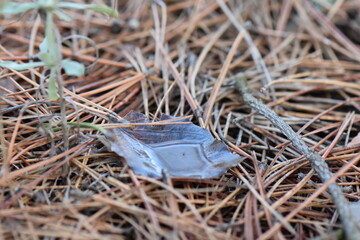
[183, 58]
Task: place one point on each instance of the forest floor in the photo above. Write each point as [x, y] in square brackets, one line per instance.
[182, 58]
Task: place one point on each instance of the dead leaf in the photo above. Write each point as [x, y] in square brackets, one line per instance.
[184, 150]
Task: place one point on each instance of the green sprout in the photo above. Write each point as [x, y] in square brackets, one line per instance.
[50, 54]
[83, 125]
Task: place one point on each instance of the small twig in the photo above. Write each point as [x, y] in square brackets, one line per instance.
[317, 162]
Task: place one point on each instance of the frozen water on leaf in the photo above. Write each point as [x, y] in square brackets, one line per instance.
[181, 150]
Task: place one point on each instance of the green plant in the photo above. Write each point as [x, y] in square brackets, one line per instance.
[50, 49]
[83, 125]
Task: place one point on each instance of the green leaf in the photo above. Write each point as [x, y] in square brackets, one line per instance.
[16, 8]
[73, 68]
[52, 85]
[97, 8]
[48, 5]
[47, 59]
[62, 15]
[71, 5]
[21, 66]
[44, 46]
[104, 9]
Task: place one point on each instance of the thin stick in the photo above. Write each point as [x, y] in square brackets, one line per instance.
[320, 190]
[318, 164]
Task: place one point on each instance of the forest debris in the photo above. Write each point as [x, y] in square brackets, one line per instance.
[352, 231]
[180, 150]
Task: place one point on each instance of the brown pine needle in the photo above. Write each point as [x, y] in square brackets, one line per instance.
[182, 58]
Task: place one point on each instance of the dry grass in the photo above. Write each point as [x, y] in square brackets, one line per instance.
[182, 60]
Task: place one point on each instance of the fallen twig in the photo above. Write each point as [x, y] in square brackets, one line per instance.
[317, 162]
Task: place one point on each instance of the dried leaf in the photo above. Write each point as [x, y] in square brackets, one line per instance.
[184, 150]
